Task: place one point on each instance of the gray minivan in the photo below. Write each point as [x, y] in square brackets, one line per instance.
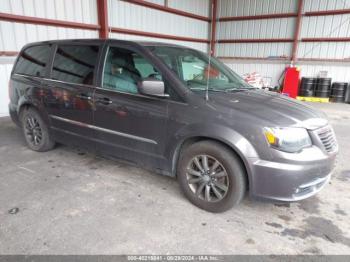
[175, 110]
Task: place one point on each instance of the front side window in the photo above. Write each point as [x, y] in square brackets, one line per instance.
[124, 69]
[33, 61]
[75, 63]
[194, 70]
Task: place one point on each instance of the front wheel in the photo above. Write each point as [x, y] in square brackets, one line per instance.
[211, 176]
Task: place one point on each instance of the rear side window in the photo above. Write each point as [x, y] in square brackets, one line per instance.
[33, 61]
[75, 63]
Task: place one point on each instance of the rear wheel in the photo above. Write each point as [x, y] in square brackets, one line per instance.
[211, 176]
[35, 130]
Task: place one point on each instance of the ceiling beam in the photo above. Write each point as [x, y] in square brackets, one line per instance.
[45, 21]
[168, 9]
[256, 17]
[156, 35]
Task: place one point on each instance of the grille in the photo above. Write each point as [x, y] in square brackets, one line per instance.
[327, 138]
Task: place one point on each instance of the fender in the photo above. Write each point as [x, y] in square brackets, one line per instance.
[237, 142]
[34, 102]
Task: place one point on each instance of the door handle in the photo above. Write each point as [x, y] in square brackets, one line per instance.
[83, 97]
[104, 101]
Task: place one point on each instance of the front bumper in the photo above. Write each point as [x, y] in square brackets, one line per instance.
[293, 177]
[289, 182]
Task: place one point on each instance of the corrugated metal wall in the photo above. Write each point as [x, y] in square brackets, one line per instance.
[77, 10]
[200, 46]
[199, 7]
[325, 26]
[14, 35]
[121, 14]
[131, 16]
[313, 26]
[255, 7]
[258, 29]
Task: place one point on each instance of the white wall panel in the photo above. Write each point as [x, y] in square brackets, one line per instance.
[14, 36]
[83, 11]
[254, 50]
[256, 29]
[255, 7]
[322, 5]
[273, 70]
[5, 70]
[130, 16]
[199, 7]
[266, 28]
[158, 2]
[270, 70]
[338, 72]
[326, 50]
[326, 26]
[199, 46]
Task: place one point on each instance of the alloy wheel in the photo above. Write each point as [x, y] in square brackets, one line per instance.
[207, 178]
[33, 131]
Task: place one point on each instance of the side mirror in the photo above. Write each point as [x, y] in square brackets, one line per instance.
[152, 87]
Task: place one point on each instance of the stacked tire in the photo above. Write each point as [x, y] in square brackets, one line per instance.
[323, 87]
[338, 92]
[347, 95]
[307, 87]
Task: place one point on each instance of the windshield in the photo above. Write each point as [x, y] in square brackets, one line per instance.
[192, 67]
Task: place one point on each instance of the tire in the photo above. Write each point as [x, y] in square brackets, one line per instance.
[35, 131]
[231, 173]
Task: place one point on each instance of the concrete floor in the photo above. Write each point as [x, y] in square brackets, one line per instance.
[71, 202]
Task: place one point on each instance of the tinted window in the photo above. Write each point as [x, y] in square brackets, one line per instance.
[124, 69]
[75, 64]
[33, 61]
[145, 68]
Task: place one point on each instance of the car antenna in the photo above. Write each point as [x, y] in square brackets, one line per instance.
[208, 75]
[210, 54]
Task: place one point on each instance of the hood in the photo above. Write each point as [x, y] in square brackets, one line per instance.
[270, 107]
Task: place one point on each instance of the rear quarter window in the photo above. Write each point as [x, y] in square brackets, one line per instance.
[33, 61]
[75, 63]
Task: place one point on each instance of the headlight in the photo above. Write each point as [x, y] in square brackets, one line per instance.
[289, 139]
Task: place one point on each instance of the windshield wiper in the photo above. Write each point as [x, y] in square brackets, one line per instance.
[238, 89]
[204, 89]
